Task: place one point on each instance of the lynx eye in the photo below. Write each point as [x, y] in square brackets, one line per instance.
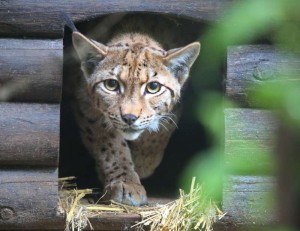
[153, 87]
[111, 85]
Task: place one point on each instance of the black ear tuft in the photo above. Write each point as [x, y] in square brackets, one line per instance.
[68, 21]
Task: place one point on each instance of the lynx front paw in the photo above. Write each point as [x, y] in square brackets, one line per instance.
[126, 192]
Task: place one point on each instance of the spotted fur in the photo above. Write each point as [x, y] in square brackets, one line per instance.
[127, 128]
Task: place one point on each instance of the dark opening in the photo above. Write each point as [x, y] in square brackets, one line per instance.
[189, 139]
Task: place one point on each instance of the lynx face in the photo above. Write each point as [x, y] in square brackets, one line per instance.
[134, 82]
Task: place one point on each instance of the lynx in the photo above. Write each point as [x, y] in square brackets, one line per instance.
[127, 109]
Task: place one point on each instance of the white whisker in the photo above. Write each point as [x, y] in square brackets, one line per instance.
[173, 122]
[164, 126]
[168, 117]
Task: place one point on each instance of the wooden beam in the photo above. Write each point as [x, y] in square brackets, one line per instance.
[253, 65]
[43, 18]
[29, 134]
[29, 199]
[31, 70]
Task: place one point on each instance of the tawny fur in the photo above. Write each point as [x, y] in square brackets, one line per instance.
[124, 151]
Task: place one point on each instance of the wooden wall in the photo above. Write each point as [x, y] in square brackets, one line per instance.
[251, 133]
[31, 64]
[30, 91]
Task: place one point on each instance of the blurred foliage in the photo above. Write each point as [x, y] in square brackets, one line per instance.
[249, 159]
[284, 96]
[274, 21]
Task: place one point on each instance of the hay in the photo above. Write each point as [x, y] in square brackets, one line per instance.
[190, 211]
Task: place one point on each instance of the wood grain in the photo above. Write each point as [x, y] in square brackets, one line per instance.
[29, 199]
[250, 140]
[249, 200]
[31, 70]
[43, 18]
[251, 66]
[29, 134]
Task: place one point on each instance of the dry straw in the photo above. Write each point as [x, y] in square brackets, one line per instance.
[191, 211]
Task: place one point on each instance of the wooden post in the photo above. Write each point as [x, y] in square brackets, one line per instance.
[250, 136]
[249, 146]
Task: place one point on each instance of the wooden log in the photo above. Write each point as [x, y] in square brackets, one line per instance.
[31, 70]
[29, 199]
[253, 65]
[249, 140]
[29, 134]
[43, 18]
[249, 201]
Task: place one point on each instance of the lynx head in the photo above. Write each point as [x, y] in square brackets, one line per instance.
[133, 81]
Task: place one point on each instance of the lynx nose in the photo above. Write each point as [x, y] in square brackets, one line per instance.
[129, 118]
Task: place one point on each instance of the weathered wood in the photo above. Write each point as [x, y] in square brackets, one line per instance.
[249, 200]
[43, 18]
[253, 65]
[249, 150]
[29, 199]
[31, 70]
[249, 140]
[29, 134]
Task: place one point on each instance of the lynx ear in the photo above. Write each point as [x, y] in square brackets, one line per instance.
[180, 60]
[89, 51]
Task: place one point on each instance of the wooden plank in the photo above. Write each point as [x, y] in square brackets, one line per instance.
[31, 70]
[249, 140]
[29, 134]
[29, 199]
[249, 200]
[253, 65]
[43, 18]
